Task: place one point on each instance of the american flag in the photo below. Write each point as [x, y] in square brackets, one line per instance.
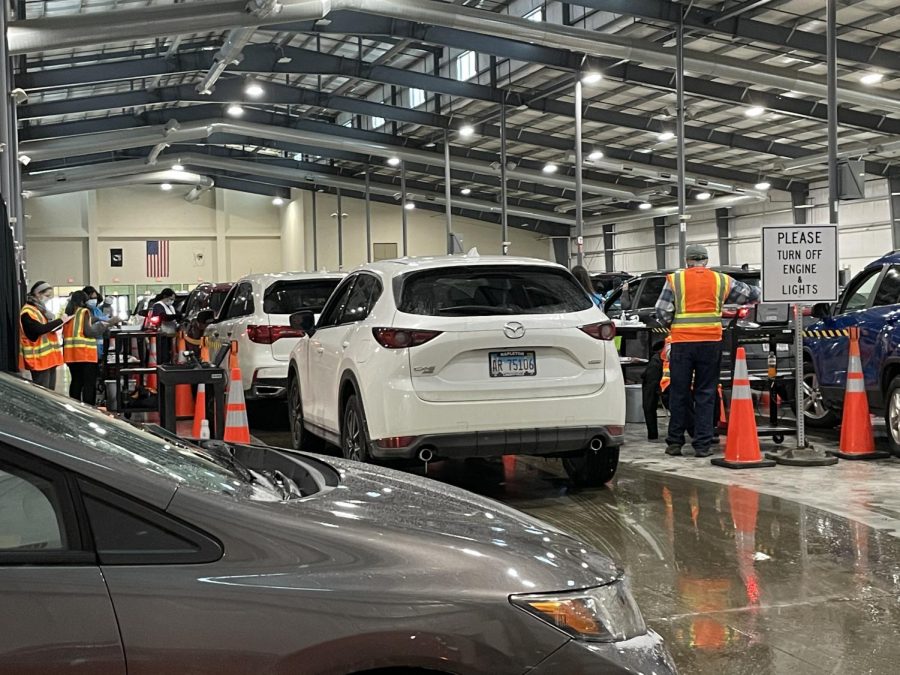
[157, 259]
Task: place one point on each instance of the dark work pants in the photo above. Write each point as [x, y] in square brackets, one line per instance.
[84, 382]
[696, 362]
[44, 378]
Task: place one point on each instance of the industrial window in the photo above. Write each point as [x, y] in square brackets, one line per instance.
[536, 14]
[466, 66]
[377, 122]
[416, 98]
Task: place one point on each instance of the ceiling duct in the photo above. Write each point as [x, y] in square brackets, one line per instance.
[35, 35]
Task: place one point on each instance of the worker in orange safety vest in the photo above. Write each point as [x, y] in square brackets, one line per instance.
[80, 348]
[40, 350]
[690, 304]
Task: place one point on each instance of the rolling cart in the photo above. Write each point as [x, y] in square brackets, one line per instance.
[770, 326]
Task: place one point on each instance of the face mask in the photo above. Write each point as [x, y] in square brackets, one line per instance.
[92, 303]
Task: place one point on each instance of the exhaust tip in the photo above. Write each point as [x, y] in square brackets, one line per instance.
[426, 455]
[596, 444]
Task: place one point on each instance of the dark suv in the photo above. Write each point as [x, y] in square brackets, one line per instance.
[871, 303]
[606, 282]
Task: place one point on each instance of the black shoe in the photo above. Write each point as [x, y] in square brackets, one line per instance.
[674, 450]
[705, 452]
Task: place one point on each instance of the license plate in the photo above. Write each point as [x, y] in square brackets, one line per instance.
[512, 364]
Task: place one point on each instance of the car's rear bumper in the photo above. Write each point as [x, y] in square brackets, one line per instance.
[267, 387]
[543, 441]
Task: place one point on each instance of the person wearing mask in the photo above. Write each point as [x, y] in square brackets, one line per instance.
[93, 304]
[163, 318]
[690, 304]
[584, 278]
[80, 336]
[40, 350]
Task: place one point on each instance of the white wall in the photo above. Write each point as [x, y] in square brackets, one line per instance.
[224, 235]
[864, 233]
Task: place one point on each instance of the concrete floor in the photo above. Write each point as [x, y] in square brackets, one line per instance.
[780, 570]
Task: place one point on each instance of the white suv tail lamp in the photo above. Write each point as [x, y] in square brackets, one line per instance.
[266, 335]
[401, 338]
[600, 331]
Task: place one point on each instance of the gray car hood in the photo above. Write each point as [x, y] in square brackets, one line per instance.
[383, 521]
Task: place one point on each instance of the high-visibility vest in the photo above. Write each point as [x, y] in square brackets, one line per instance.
[699, 296]
[78, 347]
[666, 373]
[43, 353]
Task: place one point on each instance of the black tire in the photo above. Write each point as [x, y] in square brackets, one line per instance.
[817, 415]
[301, 439]
[354, 434]
[892, 415]
[592, 469]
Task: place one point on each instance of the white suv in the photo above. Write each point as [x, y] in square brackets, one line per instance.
[256, 313]
[460, 357]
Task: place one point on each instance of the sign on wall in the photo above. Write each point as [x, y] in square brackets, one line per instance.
[799, 263]
[116, 257]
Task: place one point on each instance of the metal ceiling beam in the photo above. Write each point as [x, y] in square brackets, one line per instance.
[229, 91]
[737, 26]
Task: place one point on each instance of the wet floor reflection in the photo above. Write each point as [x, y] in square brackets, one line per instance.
[736, 581]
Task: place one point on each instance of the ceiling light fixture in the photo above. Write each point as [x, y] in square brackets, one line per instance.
[466, 130]
[703, 196]
[591, 77]
[644, 206]
[550, 167]
[178, 167]
[465, 192]
[278, 201]
[393, 161]
[254, 89]
[872, 78]
[763, 185]
[234, 110]
[666, 136]
[165, 187]
[409, 206]
[754, 111]
[595, 155]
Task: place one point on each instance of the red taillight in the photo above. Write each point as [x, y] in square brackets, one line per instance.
[266, 335]
[401, 338]
[600, 331]
[395, 442]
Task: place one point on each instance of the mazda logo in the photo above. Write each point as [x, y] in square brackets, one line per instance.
[514, 330]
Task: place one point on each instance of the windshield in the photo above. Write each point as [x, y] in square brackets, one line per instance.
[216, 298]
[287, 297]
[491, 290]
[61, 417]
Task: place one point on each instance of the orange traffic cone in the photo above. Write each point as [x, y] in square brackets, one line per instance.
[199, 411]
[204, 350]
[237, 426]
[151, 363]
[233, 356]
[857, 439]
[723, 419]
[742, 444]
[184, 399]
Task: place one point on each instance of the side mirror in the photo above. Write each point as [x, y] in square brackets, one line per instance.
[305, 321]
[206, 316]
[821, 310]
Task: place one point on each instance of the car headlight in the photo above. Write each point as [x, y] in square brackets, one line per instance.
[602, 614]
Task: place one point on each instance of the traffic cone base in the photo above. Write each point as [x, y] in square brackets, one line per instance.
[857, 437]
[742, 443]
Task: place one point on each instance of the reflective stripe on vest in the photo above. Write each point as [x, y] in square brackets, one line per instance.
[43, 353]
[77, 347]
[699, 296]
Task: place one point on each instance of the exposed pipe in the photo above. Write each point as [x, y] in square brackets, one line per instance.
[155, 178]
[123, 139]
[448, 191]
[230, 53]
[113, 170]
[74, 30]
[504, 227]
[679, 135]
[403, 213]
[155, 152]
[649, 214]
[579, 169]
[856, 150]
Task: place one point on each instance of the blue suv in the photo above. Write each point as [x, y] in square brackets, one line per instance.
[870, 302]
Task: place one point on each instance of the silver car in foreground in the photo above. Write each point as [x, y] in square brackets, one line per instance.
[120, 550]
